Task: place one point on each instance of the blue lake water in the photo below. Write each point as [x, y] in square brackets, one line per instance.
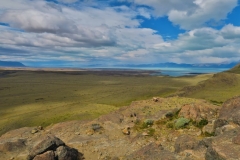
[175, 72]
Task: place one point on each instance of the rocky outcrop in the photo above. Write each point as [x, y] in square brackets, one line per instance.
[230, 111]
[144, 130]
[224, 146]
[199, 111]
[50, 147]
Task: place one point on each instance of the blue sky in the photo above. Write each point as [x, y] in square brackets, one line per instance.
[75, 33]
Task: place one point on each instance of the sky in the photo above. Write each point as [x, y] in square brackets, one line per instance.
[75, 33]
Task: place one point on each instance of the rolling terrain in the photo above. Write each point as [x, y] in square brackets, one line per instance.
[112, 115]
[30, 98]
[216, 89]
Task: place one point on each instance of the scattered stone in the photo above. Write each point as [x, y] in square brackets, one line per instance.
[155, 99]
[96, 127]
[90, 132]
[35, 130]
[77, 133]
[126, 131]
[40, 128]
[145, 134]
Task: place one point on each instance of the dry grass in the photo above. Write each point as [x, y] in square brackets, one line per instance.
[42, 98]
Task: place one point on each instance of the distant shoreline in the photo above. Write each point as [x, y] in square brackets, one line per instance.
[172, 72]
[76, 71]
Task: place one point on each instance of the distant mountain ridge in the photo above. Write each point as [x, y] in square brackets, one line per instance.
[182, 65]
[11, 64]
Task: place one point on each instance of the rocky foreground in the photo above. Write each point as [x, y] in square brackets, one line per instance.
[160, 128]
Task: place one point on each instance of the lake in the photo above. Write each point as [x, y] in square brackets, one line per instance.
[175, 72]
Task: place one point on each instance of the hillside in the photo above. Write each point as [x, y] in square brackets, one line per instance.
[160, 128]
[217, 89]
[235, 69]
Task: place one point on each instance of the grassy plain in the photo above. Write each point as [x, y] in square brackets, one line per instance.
[31, 98]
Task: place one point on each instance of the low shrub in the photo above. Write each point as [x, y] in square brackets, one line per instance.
[181, 123]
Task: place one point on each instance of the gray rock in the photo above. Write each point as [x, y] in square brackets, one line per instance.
[67, 153]
[230, 110]
[224, 146]
[185, 142]
[46, 143]
[209, 129]
[219, 123]
[49, 155]
[225, 128]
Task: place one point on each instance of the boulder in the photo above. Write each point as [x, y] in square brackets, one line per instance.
[198, 111]
[185, 142]
[49, 155]
[224, 146]
[66, 153]
[230, 110]
[219, 123]
[48, 142]
[225, 128]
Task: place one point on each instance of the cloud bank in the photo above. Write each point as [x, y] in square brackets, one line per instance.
[80, 33]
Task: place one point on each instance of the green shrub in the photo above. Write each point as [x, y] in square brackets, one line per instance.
[201, 123]
[145, 124]
[151, 131]
[162, 121]
[206, 134]
[149, 122]
[169, 125]
[181, 123]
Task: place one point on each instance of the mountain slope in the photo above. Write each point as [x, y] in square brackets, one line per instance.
[217, 89]
[235, 69]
